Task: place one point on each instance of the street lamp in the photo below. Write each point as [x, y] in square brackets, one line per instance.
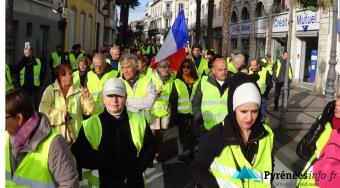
[105, 10]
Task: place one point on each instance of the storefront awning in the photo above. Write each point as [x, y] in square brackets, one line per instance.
[234, 36]
[307, 33]
[279, 35]
[260, 35]
[245, 36]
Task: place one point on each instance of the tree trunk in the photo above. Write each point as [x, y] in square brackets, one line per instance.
[126, 23]
[226, 27]
[198, 21]
[209, 44]
[121, 32]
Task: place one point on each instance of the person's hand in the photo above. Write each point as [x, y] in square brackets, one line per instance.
[27, 53]
[67, 116]
[85, 92]
[160, 91]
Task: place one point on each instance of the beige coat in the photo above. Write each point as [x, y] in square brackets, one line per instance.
[55, 106]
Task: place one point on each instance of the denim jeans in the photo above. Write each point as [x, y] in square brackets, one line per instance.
[278, 87]
[263, 107]
[202, 132]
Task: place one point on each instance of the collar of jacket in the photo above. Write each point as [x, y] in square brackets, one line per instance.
[71, 91]
[212, 80]
[232, 134]
[42, 131]
[122, 116]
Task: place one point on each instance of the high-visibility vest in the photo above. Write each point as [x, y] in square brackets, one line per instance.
[74, 61]
[269, 65]
[93, 133]
[147, 51]
[9, 83]
[95, 87]
[290, 75]
[76, 78]
[203, 65]
[224, 166]
[33, 170]
[140, 92]
[227, 59]
[320, 144]
[36, 73]
[161, 107]
[232, 68]
[56, 59]
[262, 81]
[184, 100]
[119, 66]
[154, 50]
[148, 71]
[214, 107]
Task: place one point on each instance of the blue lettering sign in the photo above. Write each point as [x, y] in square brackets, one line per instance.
[282, 22]
[307, 19]
[246, 27]
[234, 29]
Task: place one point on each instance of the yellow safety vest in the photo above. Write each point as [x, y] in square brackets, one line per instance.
[140, 92]
[214, 107]
[76, 78]
[227, 59]
[147, 51]
[161, 107]
[93, 133]
[74, 61]
[308, 179]
[9, 83]
[33, 171]
[262, 81]
[232, 68]
[56, 59]
[290, 75]
[224, 167]
[95, 87]
[203, 65]
[269, 65]
[36, 73]
[184, 100]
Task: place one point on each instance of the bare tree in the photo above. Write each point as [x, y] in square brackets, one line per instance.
[198, 21]
[210, 22]
[226, 27]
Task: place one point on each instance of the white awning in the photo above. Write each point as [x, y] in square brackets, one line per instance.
[260, 35]
[307, 33]
[279, 35]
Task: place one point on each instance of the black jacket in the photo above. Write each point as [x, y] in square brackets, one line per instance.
[216, 140]
[115, 158]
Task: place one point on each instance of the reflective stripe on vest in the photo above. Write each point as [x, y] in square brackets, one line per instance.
[262, 81]
[24, 176]
[9, 83]
[203, 65]
[140, 92]
[232, 68]
[224, 170]
[320, 144]
[95, 87]
[161, 106]
[56, 59]
[290, 75]
[36, 74]
[74, 61]
[184, 103]
[93, 133]
[213, 106]
[227, 60]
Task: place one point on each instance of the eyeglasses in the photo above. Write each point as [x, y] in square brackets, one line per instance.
[188, 67]
[10, 116]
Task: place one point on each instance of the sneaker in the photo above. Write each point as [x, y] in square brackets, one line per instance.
[276, 108]
[180, 159]
[191, 157]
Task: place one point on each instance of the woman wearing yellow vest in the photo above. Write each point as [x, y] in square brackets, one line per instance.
[36, 155]
[239, 152]
[181, 112]
[160, 112]
[321, 147]
[80, 75]
[64, 103]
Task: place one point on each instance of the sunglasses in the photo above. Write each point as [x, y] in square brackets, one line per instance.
[188, 67]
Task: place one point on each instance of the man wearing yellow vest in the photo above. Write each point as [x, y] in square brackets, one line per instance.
[96, 78]
[31, 75]
[232, 55]
[141, 89]
[200, 62]
[146, 48]
[209, 103]
[74, 56]
[264, 82]
[116, 146]
[235, 64]
[279, 73]
[9, 83]
[267, 63]
[55, 60]
[113, 58]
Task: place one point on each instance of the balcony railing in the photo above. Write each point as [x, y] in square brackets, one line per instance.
[167, 14]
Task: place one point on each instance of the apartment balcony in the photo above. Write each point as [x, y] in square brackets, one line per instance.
[167, 14]
[217, 22]
[153, 31]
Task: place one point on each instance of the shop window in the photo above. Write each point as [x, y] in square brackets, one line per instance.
[259, 11]
[279, 6]
[245, 14]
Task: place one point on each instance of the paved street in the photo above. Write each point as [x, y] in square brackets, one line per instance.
[303, 107]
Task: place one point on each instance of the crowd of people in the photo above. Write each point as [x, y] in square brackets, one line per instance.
[101, 122]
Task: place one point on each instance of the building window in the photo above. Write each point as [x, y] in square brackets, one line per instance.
[72, 25]
[245, 14]
[180, 7]
[167, 23]
[279, 6]
[82, 29]
[168, 7]
[259, 11]
[233, 17]
[89, 33]
[219, 9]
[29, 29]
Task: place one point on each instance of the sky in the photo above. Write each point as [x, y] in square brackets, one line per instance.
[138, 13]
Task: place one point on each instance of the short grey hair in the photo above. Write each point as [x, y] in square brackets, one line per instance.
[100, 56]
[238, 57]
[128, 56]
[114, 48]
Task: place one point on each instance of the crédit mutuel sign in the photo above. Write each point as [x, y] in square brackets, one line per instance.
[304, 20]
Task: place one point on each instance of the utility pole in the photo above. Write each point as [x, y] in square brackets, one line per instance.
[285, 86]
[9, 32]
[331, 76]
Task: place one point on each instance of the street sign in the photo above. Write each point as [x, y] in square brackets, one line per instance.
[66, 13]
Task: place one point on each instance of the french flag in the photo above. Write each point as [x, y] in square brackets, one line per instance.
[173, 48]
